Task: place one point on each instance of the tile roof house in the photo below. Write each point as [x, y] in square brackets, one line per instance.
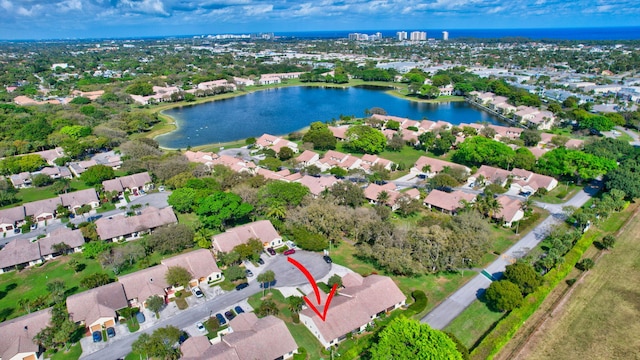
[307, 158]
[78, 168]
[75, 200]
[434, 166]
[96, 308]
[275, 143]
[16, 335]
[373, 191]
[510, 211]
[522, 180]
[72, 238]
[57, 172]
[9, 218]
[354, 307]
[200, 263]
[339, 132]
[120, 227]
[235, 164]
[51, 155]
[201, 157]
[447, 202]
[19, 253]
[262, 230]
[42, 210]
[334, 158]
[21, 180]
[132, 183]
[318, 184]
[368, 161]
[141, 285]
[266, 338]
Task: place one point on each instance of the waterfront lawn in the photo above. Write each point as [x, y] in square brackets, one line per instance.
[473, 322]
[32, 283]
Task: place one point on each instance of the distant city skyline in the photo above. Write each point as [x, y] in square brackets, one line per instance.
[77, 19]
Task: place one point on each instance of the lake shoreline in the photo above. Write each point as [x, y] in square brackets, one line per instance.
[170, 124]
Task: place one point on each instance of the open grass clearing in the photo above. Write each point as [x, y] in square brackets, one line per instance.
[595, 323]
[563, 192]
[473, 322]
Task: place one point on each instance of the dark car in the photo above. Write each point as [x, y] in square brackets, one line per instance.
[327, 259]
[290, 252]
[271, 251]
[111, 332]
[221, 319]
[248, 272]
[140, 317]
[238, 310]
[17, 230]
[97, 336]
[242, 286]
[260, 261]
[229, 315]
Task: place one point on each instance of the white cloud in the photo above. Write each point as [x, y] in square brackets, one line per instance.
[495, 10]
[257, 9]
[70, 5]
[145, 6]
[6, 4]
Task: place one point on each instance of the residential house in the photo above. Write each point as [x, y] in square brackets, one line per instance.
[200, 263]
[91, 95]
[339, 132]
[317, 185]
[307, 158]
[77, 199]
[521, 180]
[125, 228]
[373, 191]
[262, 230]
[201, 157]
[51, 155]
[275, 143]
[56, 172]
[431, 167]
[143, 284]
[367, 161]
[489, 175]
[243, 81]
[42, 210]
[79, 167]
[72, 238]
[446, 202]
[109, 158]
[356, 306]
[252, 338]
[21, 180]
[510, 211]
[17, 335]
[96, 308]
[131, 183]
[11, 217]
[333, 158]
[235, 164]
[19, 253]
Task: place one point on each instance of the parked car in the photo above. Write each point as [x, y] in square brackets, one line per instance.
[229, 315]
[161, 188]
[242, 286]
[34, 226]
[221, 319]
[17, 230]
[271, 251]
[290, 252]
[249, 273]
[111, 332]
[140, 317]
[260, 261]
[200, 327]
[97, 336]
[327, 259]
[197, 292]
[238, 310]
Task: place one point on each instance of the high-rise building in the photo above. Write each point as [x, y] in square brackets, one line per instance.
[445, 35]
[353, 36]
[378, 36]
[418, 36]
[402, 35]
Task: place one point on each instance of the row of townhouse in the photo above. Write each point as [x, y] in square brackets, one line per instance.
[526, 115]
[276, 78]
[45, 210]
[97, 308]
[334, 158]
[21, 253]
[275, 143]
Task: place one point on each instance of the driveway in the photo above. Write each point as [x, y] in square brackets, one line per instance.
[455, 304]
[201, 309]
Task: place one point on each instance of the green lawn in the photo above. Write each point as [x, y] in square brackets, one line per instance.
[74, 353]
[407, 156]
[560, 194]
[473, 322]
[305, 339]
[32, 282]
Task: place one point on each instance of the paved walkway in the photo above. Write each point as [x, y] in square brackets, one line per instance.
[455, 304]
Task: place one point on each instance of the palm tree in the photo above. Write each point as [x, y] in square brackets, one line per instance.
[276, 211]
[266, 278]
[383, 197]
[295, 304]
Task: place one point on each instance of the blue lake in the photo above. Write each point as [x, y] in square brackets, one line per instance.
[283, 110]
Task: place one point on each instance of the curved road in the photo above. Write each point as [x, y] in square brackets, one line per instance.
[452, 306]
[120, 346]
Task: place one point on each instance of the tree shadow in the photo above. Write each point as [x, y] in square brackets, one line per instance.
[71, 291]
[7, 289]
[80, 267]
[5, 313]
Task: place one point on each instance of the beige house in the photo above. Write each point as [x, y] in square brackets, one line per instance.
[96, 308]
[431, 167]
[132, 183]
[125, 228]
[360, 302]
[42, 210]
[267, 338]
[446, 202]
[16, 335]
[77, 199]
[19, 253]
[11, 217]
[510, 211]
[72, 238]
[262, 230]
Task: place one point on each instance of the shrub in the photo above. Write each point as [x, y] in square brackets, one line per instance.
[419, 301]
[572, 281]
[585, 264]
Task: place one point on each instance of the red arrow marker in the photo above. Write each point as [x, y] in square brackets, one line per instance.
[306, 273]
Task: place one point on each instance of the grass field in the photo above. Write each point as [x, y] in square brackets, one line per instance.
[600, 319]
[473, 322]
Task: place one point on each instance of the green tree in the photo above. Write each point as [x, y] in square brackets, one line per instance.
[406, 338]
[365, 139]
[608, 241]
[334, 279]
[250, 250]
[268, 307]
[530, 137]
[41, 180]
[289, 194]
[171, 239]
[392, 124]
[95, 280]
[140, 88]
[56, 288]
[154, 303]
[524, 276]
[524, 159]
[320, 136]
[478, 150]
[295, 303]
[266, 278]
[347, 193]
[76, 131]
[183, 200]
[234, 273]
[160, 344]
[177, 275]
[307, 239]
[222, 208]
[97, 174]
[285, 153]
[503, 295]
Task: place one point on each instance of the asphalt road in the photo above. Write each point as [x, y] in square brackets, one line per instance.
[452, 306]
[120, 346]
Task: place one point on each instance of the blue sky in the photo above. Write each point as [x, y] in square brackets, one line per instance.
[47, 19]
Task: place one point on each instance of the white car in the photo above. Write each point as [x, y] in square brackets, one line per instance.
[197, 292]
[200, 326]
